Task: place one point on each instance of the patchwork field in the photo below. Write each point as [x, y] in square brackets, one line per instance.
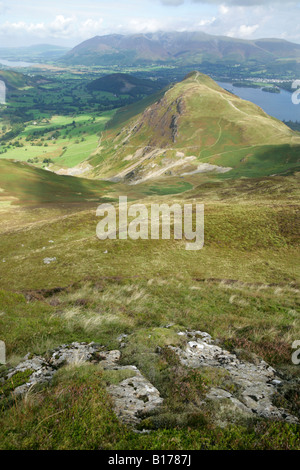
[61, 142]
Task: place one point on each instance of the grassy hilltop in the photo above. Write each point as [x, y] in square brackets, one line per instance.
[192, 123]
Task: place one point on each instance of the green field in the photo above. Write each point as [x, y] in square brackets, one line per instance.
[73, 144]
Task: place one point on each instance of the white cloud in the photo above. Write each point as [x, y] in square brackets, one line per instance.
[207, 22]
[152, 25]
[90, 28]
[60, 28]
[35, 21]
[244, 31]
[142, 25]
[21, 26]
[224, 9]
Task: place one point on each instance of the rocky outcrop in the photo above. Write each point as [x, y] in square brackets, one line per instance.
[132, 397]
[241, 390]
[42, 373]
[255, 385]
[45, 367]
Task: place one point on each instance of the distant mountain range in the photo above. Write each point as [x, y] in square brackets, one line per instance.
[179, 48]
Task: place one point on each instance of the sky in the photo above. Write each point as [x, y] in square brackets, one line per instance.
[69, 22]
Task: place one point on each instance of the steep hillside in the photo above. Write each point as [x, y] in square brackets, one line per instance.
[15, 80]
[180, 48]
[196, 127]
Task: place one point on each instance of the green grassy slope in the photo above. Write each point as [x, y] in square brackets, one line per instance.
[22, 184]
[242, 288]
[124, 114]
[14, 79]
[17, 80]
[25, 184]
[199, 120]
[61, 142]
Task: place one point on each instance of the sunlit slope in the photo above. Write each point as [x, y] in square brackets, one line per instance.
[59, 144]
[24, 184]
[13, 80]
[196, 122]
[16, 80]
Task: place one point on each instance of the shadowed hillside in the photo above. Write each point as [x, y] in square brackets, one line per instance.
[124, 84]
[24, 184]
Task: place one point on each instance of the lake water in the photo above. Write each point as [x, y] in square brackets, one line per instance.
[279, 105]
[10, 63]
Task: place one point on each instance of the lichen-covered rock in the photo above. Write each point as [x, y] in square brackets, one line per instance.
[109, 359]
[35, 363]
[45, 367]
[134, 397]
[255, 384]
[241, 389]
[41, 373]
[74, 353]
